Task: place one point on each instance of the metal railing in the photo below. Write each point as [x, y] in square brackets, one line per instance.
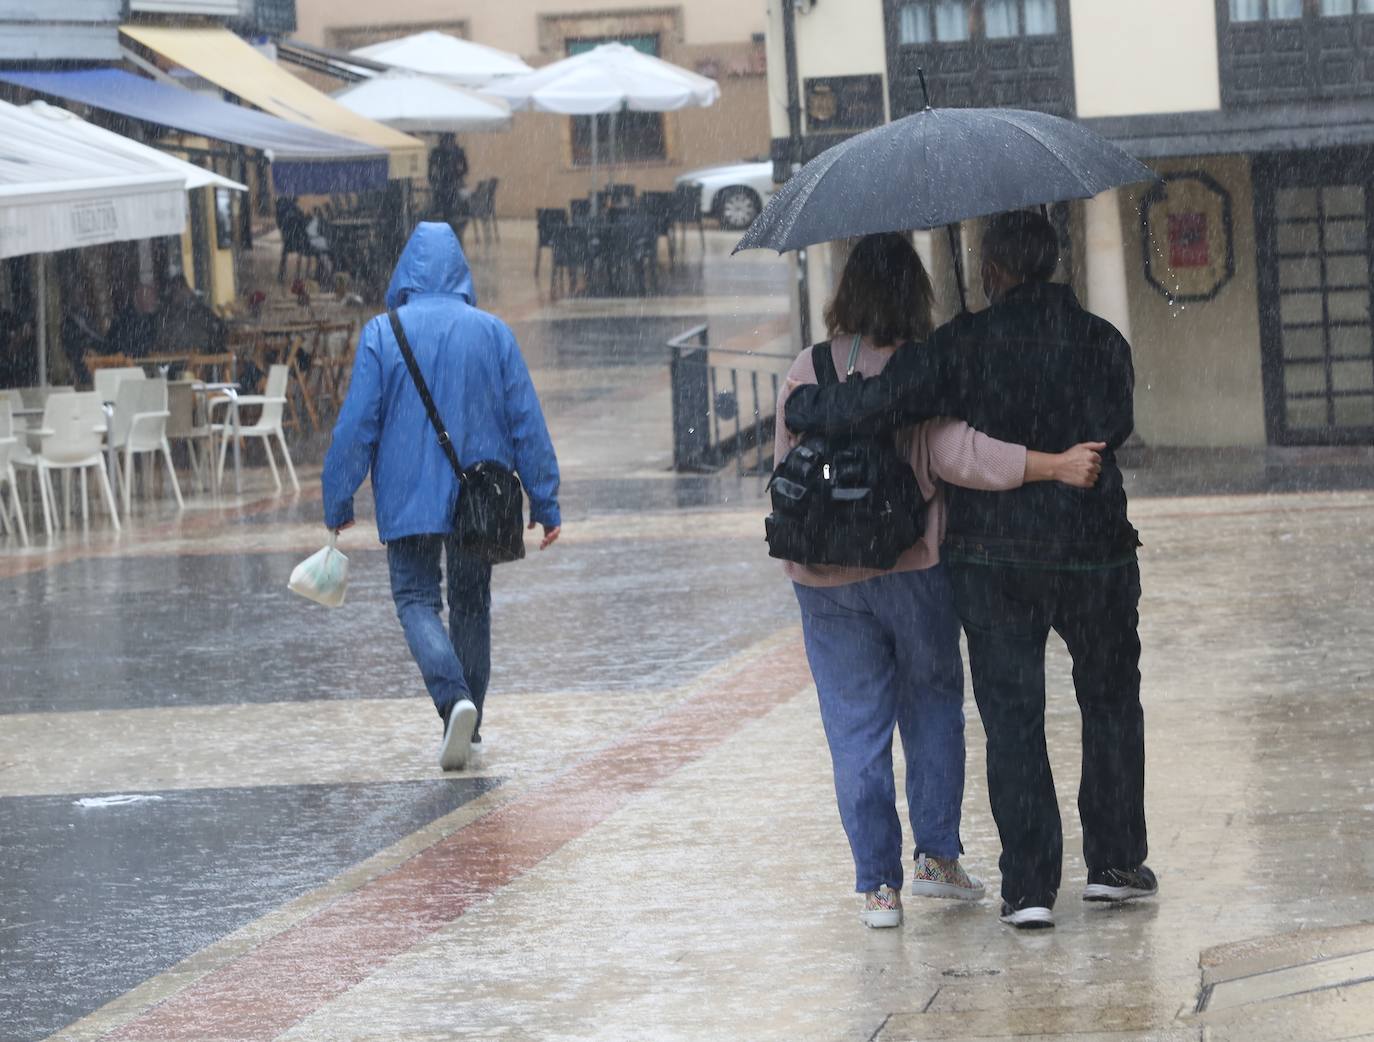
[724, 402]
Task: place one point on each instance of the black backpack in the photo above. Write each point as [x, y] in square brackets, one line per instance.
[843, 499]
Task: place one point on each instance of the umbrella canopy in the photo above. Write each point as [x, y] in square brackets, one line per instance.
[608, 78]
[418, 103]
[438, 54]
[938, 167]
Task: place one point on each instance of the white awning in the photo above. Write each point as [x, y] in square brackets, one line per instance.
[70, 123]
[59, 192]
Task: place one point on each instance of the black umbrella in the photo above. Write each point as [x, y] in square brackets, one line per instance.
[938, 167]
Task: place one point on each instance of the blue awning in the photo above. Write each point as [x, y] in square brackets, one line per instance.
[305, 161]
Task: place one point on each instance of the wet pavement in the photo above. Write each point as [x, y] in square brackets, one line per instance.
[648, 849]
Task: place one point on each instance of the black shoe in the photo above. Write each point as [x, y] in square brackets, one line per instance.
[1028, 917]
[1121, 884]
[476, 737]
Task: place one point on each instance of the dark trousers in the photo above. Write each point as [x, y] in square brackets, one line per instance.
[1007, 615]
[455, 663]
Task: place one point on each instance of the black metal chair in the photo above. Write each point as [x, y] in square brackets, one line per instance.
[571, 258]
[548, 221]
[640, 251]
[661, 208]
[622, 195]
[482, 209]
[688, 211]
[581, 209]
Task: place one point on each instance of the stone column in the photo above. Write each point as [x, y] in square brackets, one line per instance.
[1106, 261]
[942, 277]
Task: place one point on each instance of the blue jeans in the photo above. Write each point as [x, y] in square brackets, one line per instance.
[885, 654]
[455, 663]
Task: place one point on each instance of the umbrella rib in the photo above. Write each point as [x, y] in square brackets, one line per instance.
[1073, 167]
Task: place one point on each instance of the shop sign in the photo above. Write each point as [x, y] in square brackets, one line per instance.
[1186, 231]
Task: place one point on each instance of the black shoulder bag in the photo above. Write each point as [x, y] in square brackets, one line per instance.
[490, 518]
[845, 500]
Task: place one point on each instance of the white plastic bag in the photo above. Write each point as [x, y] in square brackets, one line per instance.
[322, 577]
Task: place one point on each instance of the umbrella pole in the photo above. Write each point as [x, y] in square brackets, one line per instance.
[596, 157]
[958, 254]
[615, 139]
[40, 325]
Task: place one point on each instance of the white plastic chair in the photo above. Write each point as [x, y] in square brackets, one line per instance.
[107, 381]
[267, 427]
[71, 440]
[186, 422]
[8, 443]
[140, 427]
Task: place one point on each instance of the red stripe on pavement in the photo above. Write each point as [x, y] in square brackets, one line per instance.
[278, 984]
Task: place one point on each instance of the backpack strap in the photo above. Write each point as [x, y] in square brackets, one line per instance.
[445, 442]
[824, 360]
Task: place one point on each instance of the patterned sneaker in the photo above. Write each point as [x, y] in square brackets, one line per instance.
[944, 877]
[1121, 884]
[882, 908]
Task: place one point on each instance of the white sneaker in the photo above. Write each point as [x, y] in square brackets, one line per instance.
[945, 877]
[457, 746]
[882, 908]
[1034, 917]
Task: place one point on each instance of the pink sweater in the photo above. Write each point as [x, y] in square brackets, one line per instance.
[941, 450]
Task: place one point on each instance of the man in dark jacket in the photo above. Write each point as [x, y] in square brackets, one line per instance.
[1038, 370]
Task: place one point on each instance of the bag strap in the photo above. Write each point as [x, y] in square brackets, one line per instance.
[824, 360]
[434, 418]
[853, 356]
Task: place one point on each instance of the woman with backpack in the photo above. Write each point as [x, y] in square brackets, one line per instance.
[883, 646]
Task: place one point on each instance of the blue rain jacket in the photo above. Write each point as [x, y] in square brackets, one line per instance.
[478, 379]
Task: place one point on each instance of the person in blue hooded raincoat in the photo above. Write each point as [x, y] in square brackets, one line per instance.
[483, 391]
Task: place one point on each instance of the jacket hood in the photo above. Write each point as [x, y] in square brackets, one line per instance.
[432, 262]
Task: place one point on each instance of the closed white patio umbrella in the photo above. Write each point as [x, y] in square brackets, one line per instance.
[410, 102]
[609, 78]
[447, 57]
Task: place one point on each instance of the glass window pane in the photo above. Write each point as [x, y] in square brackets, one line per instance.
[1353, 376]
[1042, 17]
[1300, 274]
[1297, 202]
[951, 21]
[913, 24]
[1366, 6]
[1355, 412]
[1305, 378]
[1298, 238]
[1001, 19]
[1247, 10]
[1300, 307]
[1348, 306]
[1304, 343]
[1309, 412]
[1345, 235]
[1347, 271]
[1337, 8]
[1282, 10]
[1349, 340]
[1343, 201]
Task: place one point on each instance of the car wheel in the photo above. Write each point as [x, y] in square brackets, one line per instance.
[738, 208]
